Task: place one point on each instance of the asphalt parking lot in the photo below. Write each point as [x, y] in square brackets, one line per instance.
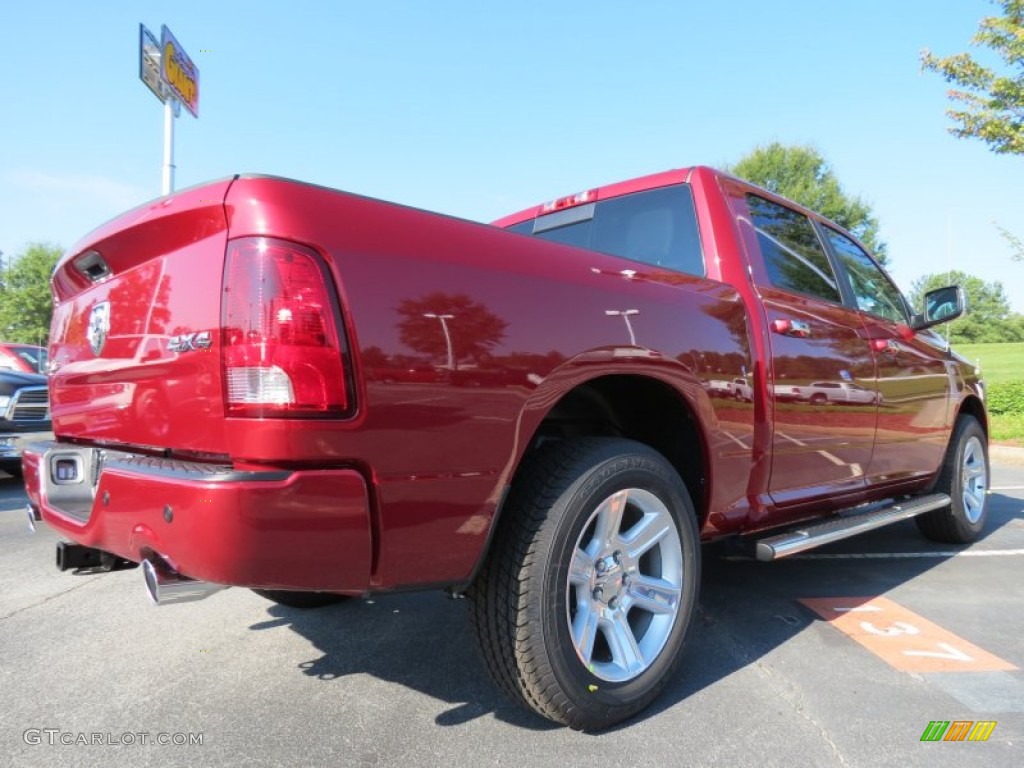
[395, 680]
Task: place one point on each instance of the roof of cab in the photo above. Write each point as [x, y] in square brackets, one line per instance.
[639, 184]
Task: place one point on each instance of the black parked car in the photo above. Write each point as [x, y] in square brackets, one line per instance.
[24, 415]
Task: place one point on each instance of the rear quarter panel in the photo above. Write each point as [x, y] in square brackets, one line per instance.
[527, 323]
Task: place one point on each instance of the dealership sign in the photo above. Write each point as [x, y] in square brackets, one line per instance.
[149, 63]
[178, 71]
[167, 70]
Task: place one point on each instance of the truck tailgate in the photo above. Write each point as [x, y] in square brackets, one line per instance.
[136, 318]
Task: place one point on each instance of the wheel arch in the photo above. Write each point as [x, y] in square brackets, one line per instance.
[972, 406]
[654, 410]
[644, 408]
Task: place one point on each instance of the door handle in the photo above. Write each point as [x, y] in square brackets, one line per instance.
[796, 328]
[891, 346]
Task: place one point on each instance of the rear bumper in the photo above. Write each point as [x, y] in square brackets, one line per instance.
[276, 529]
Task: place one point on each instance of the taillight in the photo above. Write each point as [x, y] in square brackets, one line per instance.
[283, 352]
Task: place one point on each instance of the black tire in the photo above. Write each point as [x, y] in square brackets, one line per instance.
[526, 598]
[964, 476]
[300, 599]
[818, 399]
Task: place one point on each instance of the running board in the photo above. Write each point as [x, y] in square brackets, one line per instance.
[844, 526]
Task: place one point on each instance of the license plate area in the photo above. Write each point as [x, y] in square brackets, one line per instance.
[70, 476]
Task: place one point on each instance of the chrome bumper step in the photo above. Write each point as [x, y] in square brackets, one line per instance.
[845, 525]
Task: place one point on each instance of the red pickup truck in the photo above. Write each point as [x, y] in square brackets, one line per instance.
[273, 385]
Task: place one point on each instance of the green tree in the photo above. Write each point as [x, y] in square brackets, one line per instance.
[992, 103]
[1016, 243]
[25, 302]
[450, 326]
[988, 317]
[802, 174]
[989, 104]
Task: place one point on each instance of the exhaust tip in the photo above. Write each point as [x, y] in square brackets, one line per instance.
[33, 517]
[165, 586]
[149, 575]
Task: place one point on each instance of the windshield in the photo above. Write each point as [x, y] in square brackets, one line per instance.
[36, 357]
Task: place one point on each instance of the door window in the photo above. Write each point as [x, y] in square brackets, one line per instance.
[872, 288]
[792, 253]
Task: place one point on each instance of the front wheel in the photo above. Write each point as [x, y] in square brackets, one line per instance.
[964, 476]
[586, 597]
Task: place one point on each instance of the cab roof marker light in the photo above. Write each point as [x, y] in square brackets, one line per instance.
[570, 200]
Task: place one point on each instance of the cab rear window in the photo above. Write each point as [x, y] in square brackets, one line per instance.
[656, 227]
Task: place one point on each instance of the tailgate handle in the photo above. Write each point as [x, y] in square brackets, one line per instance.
[93, 266]
[797, 328]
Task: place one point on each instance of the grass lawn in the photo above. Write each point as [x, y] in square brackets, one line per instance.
[1007, 428]
[999, 362]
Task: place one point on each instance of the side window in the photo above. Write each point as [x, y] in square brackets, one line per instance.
[570, 226]
[523, 227]
[656, 227]
[577, 234]
[871, 287]
[793, 255]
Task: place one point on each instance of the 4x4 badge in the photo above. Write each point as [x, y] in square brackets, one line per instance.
[99, 326]
[188, 342]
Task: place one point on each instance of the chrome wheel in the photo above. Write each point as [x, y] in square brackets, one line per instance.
[973, 479]
[624, 585]
[583, 605]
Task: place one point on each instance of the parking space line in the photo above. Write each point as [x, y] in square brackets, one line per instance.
[901, 638]
[735, 439]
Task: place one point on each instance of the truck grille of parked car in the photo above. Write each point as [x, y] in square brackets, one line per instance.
[30, 404]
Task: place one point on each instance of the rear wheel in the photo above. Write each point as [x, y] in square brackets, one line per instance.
[300, 599]
[582, 607]
[964, 477]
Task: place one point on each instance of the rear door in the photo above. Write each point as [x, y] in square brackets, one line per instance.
[819, 447]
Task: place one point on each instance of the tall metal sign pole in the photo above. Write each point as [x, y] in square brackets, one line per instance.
[173, 78]
[167, 177]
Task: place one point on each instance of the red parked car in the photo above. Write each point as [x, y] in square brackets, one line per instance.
[23, 357]
[564, 459]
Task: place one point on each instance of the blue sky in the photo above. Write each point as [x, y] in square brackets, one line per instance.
[478, 109]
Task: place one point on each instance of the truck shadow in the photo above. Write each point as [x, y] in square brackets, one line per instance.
[420, 641]
[423, 642]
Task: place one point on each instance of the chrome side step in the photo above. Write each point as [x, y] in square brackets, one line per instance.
[844, 526]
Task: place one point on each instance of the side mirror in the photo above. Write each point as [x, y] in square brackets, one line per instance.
[941, 306]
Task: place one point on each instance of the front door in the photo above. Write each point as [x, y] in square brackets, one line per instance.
[913, 381]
